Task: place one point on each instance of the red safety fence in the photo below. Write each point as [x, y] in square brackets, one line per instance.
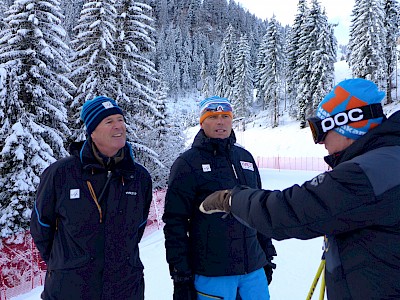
[21, 268]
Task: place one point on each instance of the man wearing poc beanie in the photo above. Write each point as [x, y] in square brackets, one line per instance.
[356, 206]
[90, 213]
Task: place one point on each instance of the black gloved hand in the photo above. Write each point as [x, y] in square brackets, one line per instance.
[269, 269]
[218, 201]
[184, 287]
[184, 291]
[268, 272]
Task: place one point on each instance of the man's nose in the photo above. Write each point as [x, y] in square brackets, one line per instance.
[220, 118]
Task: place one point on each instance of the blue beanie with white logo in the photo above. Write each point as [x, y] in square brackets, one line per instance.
[222, 106]
[349, 94]
[94, 111]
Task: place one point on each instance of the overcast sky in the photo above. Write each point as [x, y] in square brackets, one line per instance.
[338, 12]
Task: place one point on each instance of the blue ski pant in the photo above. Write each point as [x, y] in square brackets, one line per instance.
[252, 286]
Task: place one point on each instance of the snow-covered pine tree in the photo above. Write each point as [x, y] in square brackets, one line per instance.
[366, 49]
[185, 61]
[33, 93]
[3, 9]
[225, 69]
[166, 138]
[316, 59]
[133, 46]
[261, 66]
[285, 71]
[242, 91]
[293, 52]
[136, 81]
[169, 65]
[203, 54]
[71, 10]
[194, 11]
[94, 63]
[306, 43]
[271, 72]
[392, 25]
[206, 80]
[322, 61]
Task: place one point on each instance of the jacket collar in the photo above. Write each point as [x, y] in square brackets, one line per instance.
[90, 158]
[203, 142]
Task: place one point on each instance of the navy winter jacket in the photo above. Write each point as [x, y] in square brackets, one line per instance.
[211, 245]
[92, 251]
[356, 206]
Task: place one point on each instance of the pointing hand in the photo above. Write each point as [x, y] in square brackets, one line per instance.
[219, 201]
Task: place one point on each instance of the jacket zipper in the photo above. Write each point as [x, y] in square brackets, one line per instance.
[94, 197]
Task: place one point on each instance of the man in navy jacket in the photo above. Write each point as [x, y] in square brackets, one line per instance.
[90, 213]
[213, 255]
[356, 206]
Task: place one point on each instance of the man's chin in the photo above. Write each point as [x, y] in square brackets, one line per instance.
[221, 135]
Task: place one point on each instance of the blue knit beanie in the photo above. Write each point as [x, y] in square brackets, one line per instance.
[94, 111]
[349, 94]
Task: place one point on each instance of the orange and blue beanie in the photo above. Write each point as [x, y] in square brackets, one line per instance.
[215, 105]
[94, 111]
[349, 94]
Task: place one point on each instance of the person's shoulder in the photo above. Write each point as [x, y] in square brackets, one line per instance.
[140, 169]
[241, 149]
[63, 165]
[189, 154]
[65, 162]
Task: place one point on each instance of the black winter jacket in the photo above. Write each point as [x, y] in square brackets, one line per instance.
[357, 207]
[92, 255]
[211, 245]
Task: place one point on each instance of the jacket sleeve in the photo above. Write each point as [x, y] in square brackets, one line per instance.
[148, 197]
[177, 212]
[43, 219]
[330, 203]
[265, 242]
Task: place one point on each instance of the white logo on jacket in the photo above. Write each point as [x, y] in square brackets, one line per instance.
[74, 194]
[247, 165]
[318, 179]
[206, 168]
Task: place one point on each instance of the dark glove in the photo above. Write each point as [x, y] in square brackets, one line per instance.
[218, 201]
[184, 287]
[269, 269]
[184, 291]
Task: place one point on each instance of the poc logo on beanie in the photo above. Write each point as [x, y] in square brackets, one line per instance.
[342, 118]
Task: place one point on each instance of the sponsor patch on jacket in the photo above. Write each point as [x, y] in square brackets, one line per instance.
[74, 194]
[318, 179]
[206, 168]
[247, 165]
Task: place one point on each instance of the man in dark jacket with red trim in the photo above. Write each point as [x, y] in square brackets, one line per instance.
[356, 205]
[215, 255]
[90, 213]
